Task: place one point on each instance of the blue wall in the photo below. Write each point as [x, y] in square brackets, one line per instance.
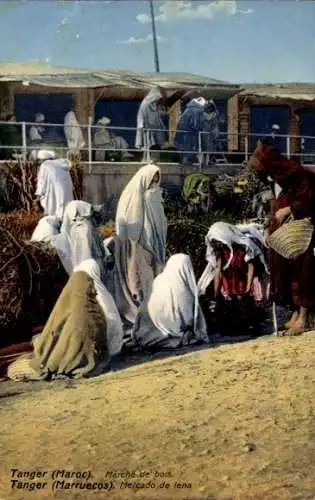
[262, 119]
[53, 106]
[122, 114]
[307, 127]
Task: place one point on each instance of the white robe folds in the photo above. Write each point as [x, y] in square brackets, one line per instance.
[173, 308]
[249, 236]
[54, 186]
[150, 126]
[141, 230]
[114, 326]
[82, 239]
[47, 230]
[73, 132]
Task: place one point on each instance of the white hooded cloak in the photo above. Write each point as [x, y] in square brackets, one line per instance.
[173, 308]
[73, 132]
[141, 230]
[248, 236]
[54, 186]
[114, 329]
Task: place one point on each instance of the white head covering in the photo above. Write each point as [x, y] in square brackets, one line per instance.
[154, 95]
[104, 121]
[54, 186]
[75, 228]
[201, 100]
[39, 118]
[46, 227]
[173, 305]
[247, 236]
[74, 210]
[108, 242]
[114, 328]
[73, 132]
[44, 154]
[47, 230]
[140, 213]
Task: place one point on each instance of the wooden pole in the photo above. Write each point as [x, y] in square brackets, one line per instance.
[154, 39]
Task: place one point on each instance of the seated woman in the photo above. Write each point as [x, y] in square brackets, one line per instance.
[171, 316]
[107, 142]
[82, 334]
[236, 264]
[47, 231]
[75, 238]
[78, 229]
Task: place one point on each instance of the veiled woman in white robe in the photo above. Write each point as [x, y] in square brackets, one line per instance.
[140, 246]
[48, 231]
[54, 186]
[78, 228]
[171, 317]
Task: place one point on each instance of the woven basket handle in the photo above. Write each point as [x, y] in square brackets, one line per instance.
[289, 218]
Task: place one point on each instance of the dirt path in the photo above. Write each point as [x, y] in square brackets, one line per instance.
[187, 421]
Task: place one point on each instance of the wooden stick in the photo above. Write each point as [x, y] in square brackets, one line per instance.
[274, 319]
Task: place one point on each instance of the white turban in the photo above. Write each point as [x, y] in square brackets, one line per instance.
[39, 118]
[46, 155]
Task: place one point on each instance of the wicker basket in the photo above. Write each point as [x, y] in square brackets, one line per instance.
[292, 239]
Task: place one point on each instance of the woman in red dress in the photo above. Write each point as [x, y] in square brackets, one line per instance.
[238, 270]
[292, 281]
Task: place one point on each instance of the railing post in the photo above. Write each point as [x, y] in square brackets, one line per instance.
[90, 143]
[288, 146]
[24, 140]
[246, 148]
[147, 149]
[200, 151]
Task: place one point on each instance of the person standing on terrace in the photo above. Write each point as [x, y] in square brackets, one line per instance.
[151, 131]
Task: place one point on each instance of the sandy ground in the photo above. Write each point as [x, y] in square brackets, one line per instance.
[230, 422]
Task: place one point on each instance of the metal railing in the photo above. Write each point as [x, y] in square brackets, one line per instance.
[202, 146]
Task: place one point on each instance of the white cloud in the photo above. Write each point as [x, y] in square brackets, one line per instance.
[132, 40]
[173, 10]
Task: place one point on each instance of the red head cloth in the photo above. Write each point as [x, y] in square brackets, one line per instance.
[267, 160]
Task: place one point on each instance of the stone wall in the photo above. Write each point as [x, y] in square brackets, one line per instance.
[103, 183]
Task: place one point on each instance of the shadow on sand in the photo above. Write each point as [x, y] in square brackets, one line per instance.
[10, 389]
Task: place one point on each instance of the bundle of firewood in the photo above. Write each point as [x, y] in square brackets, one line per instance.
[20, 223]
[31, 279]
[19, 187]
[21, 178]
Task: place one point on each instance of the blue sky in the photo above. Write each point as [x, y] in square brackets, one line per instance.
[237, 41]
